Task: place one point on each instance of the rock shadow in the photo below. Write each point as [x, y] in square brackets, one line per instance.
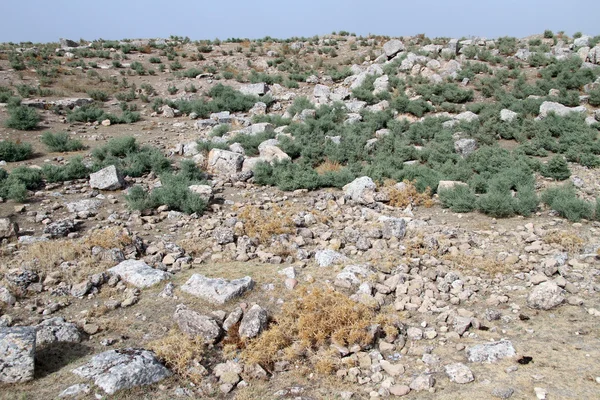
[53, 357]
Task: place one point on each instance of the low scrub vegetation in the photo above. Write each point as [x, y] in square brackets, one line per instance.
[61, 142]
[15, 151]
[174, 192]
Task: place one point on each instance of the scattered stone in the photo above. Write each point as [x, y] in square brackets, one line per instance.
[548, 107]
[422, 382]
[503, 392]
[60, 228]
[361, 190]
[326, 258]
[253, 322]
[8, 228]
[75, 390]
[459, 373]
[194, 324]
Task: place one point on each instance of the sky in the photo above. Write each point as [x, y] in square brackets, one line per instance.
[47, 21]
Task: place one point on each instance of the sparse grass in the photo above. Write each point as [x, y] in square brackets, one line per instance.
[484, 264]
[262, 224]
[44, 257]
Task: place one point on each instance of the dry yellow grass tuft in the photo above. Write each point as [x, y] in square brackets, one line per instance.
[182, 354]
[309, 323]
[568, 240]
[328, 166]
[409, 195]
[484, 264]
[261, 224]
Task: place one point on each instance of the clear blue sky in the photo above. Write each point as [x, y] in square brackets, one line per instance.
[49, 20]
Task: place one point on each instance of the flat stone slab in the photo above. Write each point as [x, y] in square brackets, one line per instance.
[17, 354]
[217, 290]
[491, 352]
[115, 370]
[138, 273]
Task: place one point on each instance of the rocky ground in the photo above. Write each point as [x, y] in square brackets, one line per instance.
[98, 300]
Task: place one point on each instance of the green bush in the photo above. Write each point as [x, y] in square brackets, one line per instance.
[22, 118]
[557, 168]
[61, 142]
[15, 185]
[12, 152]
[250, 143]
[497, 203]
[459, 199]
[564, 200]
[91, 113]
[130, 158]
[5, 94]
[173, 193]
[594, 98]
[98, 95]
[74, 169]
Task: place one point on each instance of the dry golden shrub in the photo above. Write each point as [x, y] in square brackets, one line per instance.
[262, 224]
[485, 264]
[402, 198]
[328, 166]
[568, 240]
[308, 322]
[180, 353]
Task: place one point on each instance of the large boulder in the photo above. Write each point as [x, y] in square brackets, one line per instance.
[115, 370]
[464, 147]
[549, 106]
[8, 228]
[361, 190]
[507, 115]
[84, 205]
[445, 185]
[393, 47]
[272, 154]
[57, 330]
[138, 273]
[217, 290]
[106, 179]
[195, 324]
[254, 89]
[224, 162]
[17, 354]
[545, 296]
[204, 191]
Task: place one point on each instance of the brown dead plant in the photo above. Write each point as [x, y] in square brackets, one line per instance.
[310, 322]
[262, 224]
[570, 241]
[182, 354]
[402, 196]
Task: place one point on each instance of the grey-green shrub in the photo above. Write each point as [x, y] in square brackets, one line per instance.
[12, 151]
[564, 200]
[22, 118]
[459, 199]
[61, 142]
